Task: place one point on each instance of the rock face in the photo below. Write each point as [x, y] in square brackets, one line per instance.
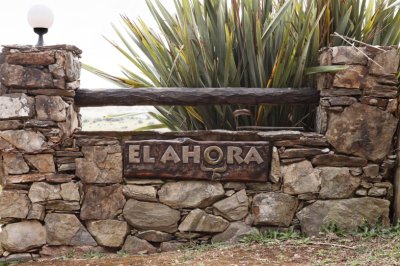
[362, 130]
[347, 214]
[14, 164]
[151, 216]
[102, 203]
[16, 106]
[350, 78]
[154, 236]
[338, 160]
[134, 245]
[343, 55]
[274, 208]
[39, 58]
[234, 233]
[44, 163]
[275, 173]
[23, 236]
[199, 221]
[387, 63]
[66, 229]
[337, 183]
[36, 212]
[145, 193]
[25, 140]
[51, 108]
[41, 191]
[102, 165]
[300, 178]
[13, 204]
[233, 208]
[109, 233]
[190, 194]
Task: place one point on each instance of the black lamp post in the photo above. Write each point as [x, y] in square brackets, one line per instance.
[40, 18]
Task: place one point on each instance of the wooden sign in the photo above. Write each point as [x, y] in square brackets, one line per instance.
[204, 160]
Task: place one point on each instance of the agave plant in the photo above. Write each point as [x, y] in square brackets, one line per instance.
[243, 43]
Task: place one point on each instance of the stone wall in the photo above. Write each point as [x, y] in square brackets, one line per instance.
[64, 189]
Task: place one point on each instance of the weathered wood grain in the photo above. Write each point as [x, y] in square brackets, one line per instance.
[194, 96]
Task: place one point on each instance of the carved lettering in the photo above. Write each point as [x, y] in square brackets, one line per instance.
[195, 154]
[208, 155]
[185, 159]
[134, 155]
[170, 155]
[234, 154]
[146, 155]
[253, 156]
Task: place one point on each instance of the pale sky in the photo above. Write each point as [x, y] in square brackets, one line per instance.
[78, 22]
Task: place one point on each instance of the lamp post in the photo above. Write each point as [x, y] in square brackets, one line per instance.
[40, 18]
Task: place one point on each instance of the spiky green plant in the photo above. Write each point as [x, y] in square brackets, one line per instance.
[243, 43]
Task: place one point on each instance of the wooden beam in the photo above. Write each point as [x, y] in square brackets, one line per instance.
[194, 96]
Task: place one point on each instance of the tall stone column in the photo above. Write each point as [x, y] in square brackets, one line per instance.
[37, 154]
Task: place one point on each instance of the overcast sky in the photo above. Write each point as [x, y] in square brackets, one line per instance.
[78, 22]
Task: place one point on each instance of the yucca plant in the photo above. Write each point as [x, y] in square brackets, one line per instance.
[243, 43]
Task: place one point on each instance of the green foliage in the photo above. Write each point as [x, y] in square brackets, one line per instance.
[379, 230]
[273, 236]
[93, 255]
[332, 227]
[122, 253]
[243, 43]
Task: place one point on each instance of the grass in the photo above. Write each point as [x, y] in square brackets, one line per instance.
[274, 236]
[93, 255]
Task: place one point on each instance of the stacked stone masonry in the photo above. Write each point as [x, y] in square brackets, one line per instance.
[64, 189]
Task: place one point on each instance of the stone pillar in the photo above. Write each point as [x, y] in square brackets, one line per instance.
[37, 153]
[359, 112]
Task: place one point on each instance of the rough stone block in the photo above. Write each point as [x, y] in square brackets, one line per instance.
[44, 163]
[102, 203]
[101, 164]
[51, 108]
[234, 233]
[350, 78]
[337, 183]
[347, 214]
[348, 55]
[42, 192]
[145, 193]
[36, 212]
[154, 236]
[14, 164]
[14, 204]
[199, 221]
[39, 58]
[66, 229]
[109, 233]
[25, 140]
[23, 236]
[347, 132]
[72, 67]
[233, 208]
[300, 178]
[151, 216]
[274, 208]
[190, 194]
[386, 63]
[134, 245]
[11, 75]
[16, 105]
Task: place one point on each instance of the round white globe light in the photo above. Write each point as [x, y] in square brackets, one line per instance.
[40, 16]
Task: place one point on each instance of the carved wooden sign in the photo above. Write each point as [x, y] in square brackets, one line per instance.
[185, 158]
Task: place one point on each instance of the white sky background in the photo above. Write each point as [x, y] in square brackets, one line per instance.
[78, 22]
